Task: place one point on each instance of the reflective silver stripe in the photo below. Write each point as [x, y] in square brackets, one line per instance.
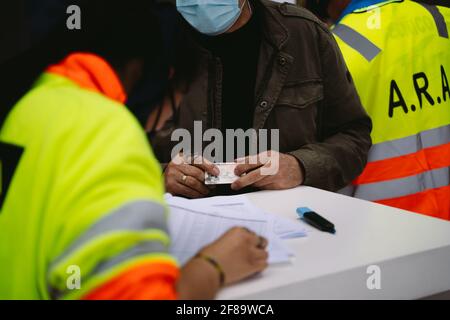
[357, 41]
[404, 186]
[412, 144]
[134, 216]
[142, 249]
[438, 19]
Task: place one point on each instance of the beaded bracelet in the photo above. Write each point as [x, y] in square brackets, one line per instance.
[216, 266]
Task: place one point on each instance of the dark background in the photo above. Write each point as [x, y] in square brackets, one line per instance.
[14, 25]
[13, 36]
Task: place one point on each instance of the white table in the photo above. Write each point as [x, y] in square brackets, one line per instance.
[411, 250]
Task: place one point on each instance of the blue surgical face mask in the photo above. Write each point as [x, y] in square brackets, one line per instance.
[211, 17]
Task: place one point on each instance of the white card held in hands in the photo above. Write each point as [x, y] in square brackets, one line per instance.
[226, 175]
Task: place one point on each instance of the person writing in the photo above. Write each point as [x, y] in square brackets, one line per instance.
[82, 214]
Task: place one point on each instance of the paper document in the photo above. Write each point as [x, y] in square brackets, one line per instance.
[194, 224]
[282, 227]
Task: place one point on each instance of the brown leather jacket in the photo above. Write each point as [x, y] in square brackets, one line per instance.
[303, 88]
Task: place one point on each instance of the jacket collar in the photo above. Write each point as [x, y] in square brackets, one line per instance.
[274, 30]
[91, 72]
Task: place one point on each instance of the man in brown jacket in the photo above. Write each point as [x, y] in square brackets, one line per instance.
[276, 67]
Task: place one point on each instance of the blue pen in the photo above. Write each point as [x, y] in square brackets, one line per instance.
[315, 220]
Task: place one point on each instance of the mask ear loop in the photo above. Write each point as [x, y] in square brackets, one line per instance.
[241, 8]
[249, 7]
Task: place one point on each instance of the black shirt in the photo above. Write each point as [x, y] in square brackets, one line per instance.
[238, 53]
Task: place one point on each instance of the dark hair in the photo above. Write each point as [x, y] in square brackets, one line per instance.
[185, 59]
[181, 55]
[118, 31]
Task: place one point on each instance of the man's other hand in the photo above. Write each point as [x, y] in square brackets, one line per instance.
[185, 176]
[268, 171]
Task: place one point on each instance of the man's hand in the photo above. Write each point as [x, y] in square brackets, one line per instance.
[185, 176]
[268, 171]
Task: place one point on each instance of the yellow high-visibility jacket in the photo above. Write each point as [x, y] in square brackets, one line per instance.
[83, 206]
[398, 53]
